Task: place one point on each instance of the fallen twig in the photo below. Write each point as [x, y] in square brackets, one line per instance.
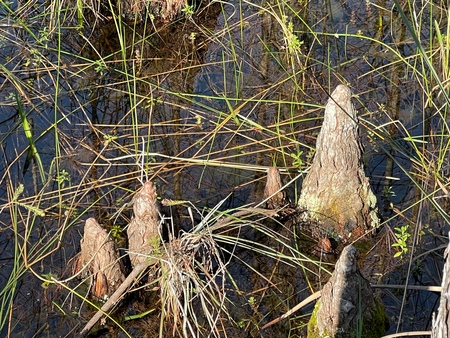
[303, 303]
[115, 297]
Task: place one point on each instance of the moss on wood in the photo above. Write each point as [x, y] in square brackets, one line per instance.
[336, 193]
[348, 307]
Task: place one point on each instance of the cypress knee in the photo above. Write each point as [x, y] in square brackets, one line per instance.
[336, 193]
[143, 230]
[100, 257]
[348, 304]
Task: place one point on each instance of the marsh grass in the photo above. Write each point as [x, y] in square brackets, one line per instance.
[203, 106]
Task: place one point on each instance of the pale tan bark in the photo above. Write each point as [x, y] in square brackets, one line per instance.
[143, 240]
[272, 192]
[143, 233]
[166, 9]
[336, 192]
[441, 323]
[347, 300]
[100, 258]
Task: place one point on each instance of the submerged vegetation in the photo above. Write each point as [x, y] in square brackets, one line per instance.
[94, 104]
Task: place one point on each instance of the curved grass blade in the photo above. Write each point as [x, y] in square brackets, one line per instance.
[32, 153]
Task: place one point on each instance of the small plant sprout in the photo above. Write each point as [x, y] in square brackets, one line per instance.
[292, 41]
[402, 235]
[298, 162]
[188, 10]
[48, 280]
[10, 97]
[100, 67]
[43, 36]
[154, 102]
[388, 192]
[252, 302]
[62, 177]
[116, 231]
[109, 138]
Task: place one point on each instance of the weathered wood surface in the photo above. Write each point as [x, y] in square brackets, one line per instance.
[347, 300]
[143, 233]
[164, 9]
[115, 297]
[272, 192]
[336, 192]
[100, 258]
[441, 323]
[143, 239]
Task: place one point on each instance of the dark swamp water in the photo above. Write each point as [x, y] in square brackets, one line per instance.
[212, 101]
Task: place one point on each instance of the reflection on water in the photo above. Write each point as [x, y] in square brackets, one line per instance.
[197, 95]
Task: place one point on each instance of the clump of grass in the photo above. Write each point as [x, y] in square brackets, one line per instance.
[190, 296]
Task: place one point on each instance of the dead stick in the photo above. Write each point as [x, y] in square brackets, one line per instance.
[317, 294]
[115, 296]
[303, 303]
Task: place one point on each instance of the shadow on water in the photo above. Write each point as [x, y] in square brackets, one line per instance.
[239, 85]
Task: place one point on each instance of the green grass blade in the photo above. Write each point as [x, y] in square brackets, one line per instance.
[29, 135]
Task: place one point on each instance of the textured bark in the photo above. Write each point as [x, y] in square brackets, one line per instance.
[441, 324]
[272, 192]
[100, 257]
[143, 239]
[165, 9]
[143, 233]
[347, 300]
[336, 193]
[115, 297]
